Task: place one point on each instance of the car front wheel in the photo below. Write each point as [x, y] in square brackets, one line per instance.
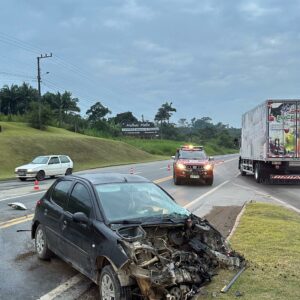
[110, 287]
[40, 175]
[41, 246]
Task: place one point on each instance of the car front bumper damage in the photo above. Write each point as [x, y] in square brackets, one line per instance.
[172, 261]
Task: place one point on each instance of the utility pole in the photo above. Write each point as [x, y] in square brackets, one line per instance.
[39, 84]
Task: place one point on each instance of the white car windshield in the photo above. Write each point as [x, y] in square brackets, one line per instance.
[126, 201]
[40, 160]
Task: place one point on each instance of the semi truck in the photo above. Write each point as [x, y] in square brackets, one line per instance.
[270, 141]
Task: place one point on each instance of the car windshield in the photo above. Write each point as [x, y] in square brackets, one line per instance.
[127, 201]
[40, 160]
[192, 154]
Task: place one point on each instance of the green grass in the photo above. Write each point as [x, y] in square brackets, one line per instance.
[19, 144]
[168, 147]
[268, 236]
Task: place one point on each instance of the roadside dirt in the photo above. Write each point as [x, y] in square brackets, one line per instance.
[223, 218]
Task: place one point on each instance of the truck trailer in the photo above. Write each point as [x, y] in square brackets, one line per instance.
[270, 141]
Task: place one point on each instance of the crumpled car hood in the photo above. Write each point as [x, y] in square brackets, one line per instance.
[172, 261]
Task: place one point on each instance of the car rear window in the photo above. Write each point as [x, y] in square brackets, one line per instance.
[60, 192]
[64, 159]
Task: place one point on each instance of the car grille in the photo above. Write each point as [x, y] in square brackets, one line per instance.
[22, 171]
[194, 168]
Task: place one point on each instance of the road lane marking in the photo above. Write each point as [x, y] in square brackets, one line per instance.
[162, 179]
[24, 195]
[16, 221]
[206, 194]
[262, 193]
[63, 287]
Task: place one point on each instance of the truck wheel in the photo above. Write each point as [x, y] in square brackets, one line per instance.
[258, 173]
[110, 287]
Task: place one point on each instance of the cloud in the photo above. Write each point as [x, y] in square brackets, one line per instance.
[133, 10]
[76, 21]
[254, 10]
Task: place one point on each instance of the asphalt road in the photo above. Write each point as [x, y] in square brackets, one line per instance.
[23, 276]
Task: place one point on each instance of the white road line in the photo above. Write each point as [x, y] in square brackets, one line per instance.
[24, 195]
[206, 194]
[63, 287]
[262, 193]
[226, 161]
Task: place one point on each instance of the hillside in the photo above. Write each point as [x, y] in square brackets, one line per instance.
[20, 143]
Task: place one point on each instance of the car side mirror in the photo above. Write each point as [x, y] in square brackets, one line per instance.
[80, 217]
[173, 157]
[211, 158]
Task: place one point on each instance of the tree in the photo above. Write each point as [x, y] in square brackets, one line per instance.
[61, 104]
[97, 112]
[33, 117]
[164, 114]
[125, 118]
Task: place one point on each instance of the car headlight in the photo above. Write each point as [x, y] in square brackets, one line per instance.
[208, 167]
[180, 166]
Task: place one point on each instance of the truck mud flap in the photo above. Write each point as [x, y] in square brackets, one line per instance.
[285, 179]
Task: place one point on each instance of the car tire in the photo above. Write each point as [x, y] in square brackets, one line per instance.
[110, 287]
[40, 176]
[177, 181]
[22, 179]
[52, 177]
[40, 244]
[209, 181]
[68, 171]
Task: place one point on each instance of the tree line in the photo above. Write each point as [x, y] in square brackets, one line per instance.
[21, 103]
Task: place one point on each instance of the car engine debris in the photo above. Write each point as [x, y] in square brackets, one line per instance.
[173, 260]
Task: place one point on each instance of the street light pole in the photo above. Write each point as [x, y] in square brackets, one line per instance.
[39, 84]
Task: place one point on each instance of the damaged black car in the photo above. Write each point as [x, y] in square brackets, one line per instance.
[129, 236]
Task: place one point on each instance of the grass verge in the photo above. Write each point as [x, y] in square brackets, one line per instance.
[19, 144]
[168, 147]
[268, 236]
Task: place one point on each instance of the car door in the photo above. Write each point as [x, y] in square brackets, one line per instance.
[78, 237]
[54, 211]
[65, 163]
[54, 166]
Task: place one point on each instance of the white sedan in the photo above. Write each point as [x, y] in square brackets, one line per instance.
[42, 166]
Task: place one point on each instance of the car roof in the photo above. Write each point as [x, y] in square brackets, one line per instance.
[104, 178]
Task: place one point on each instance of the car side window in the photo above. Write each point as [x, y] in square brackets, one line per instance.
[64, 159]
[80, 200]
[59, 194]
[53, 161]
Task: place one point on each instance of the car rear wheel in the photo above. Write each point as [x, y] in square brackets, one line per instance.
[110, 287]
[40, 175]
[69, 171]
[40, 243]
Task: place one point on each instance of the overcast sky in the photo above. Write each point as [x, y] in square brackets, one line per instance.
[210, 58]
